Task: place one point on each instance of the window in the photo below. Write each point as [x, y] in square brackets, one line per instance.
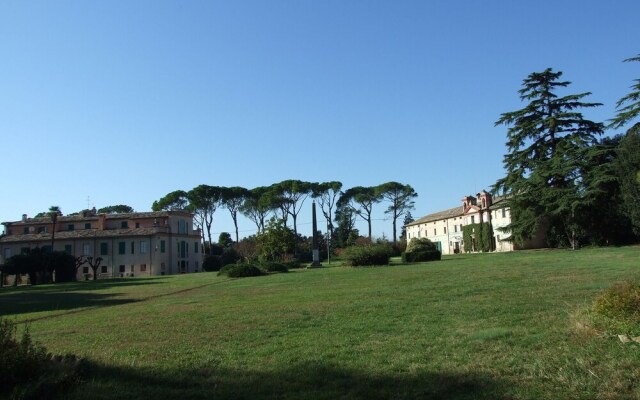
[67, 248]
[103, 269]
[70, 227]
[473, 219]
[133, 247]
[137, 224]
[7, 254]
[434, 231]
[86, 249]
[162, 246]
[183, 249]
[85, 270]
[42, 229]
[455, 228]
[504, 213]
[195, 247]
[143, 267]
[121, 268]
[124, 224]
[121, 247]
[25, 230]
[87, 225]
[182, 226]
[104, 249]
[143, 247]
[445, 229]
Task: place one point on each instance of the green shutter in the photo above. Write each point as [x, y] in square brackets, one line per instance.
[104, 249]
[162, 246]
[121, 247]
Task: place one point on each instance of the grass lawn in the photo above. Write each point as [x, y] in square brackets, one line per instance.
[485, 326]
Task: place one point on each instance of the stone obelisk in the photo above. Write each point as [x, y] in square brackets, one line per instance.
[315, 263]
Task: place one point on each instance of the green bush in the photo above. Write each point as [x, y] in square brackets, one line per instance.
[292, 264]
[420, 244]
[421, 256]
[240, 270]
[376, 254]
[27, 371]
[274, 267]
[212, 263]
[617, 309]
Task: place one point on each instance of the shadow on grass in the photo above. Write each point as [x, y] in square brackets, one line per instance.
[301, 381]
[33, 301]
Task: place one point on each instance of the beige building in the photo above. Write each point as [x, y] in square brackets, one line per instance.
[444, 228]
[132, 244]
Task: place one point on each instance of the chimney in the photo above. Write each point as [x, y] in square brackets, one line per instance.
[24, 217]
[102, 222]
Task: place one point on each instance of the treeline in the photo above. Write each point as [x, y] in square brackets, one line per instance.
[563, 180]
[284, 201]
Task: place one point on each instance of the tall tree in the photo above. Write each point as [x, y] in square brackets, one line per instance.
[232, 199]
[176, 200]
[400, 198]
[546, 141]
[54, 212]
[345, 232]
[408, 218]
[292, 194]
[365, 198]
[204, 200]
[257, 206]
[116, 209]
[628, 106]
[327, 194]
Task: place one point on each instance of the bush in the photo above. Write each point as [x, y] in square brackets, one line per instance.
[230, 256]
[212, 263]
[274, 267]
[421, 256]
[292, 264]
[28, 371]
[240, 270]
[420, 244]
[377, 254]
[617, 310]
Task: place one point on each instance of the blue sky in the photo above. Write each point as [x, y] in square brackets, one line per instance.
[110, 102]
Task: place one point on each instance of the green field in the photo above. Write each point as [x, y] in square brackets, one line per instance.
[488, 326]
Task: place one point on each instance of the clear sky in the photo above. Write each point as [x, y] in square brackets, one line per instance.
[120, 102]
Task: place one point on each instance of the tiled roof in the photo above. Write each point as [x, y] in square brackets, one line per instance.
[94, 217]
[497, 203]
[450, 213]
[84, 233]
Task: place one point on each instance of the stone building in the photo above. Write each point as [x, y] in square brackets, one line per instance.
[132, 244]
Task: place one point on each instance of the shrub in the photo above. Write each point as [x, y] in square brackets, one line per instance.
[377, 254]
[240, 270]
[421, 256]
[420, 244]
[230, 256]
[212, 263]
[617, 309]
[292, 264]
[28, 371]
[274, 267]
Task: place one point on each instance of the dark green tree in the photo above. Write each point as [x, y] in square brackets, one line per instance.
[232, 199]
[204, 200]
[400, 198]
[257, 206]
[276, 241]
[408, 218]
[364, 198]
[546, 142]
[116, 209]
[629, 106]
[176, 200]
[344, 234]
[224, 240]
[628, 169]
[292, 194]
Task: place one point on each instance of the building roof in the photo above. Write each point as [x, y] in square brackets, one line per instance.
[498, 202]
[450, 213]
[84, 233]
[94, 217]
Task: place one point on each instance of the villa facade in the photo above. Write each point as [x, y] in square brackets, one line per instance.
[131, 244]
[444, 228]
